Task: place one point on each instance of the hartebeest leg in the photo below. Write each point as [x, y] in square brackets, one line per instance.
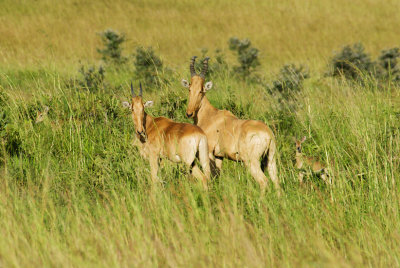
[301, 176]
[215, 165]
[257, 173]
[273, 172]
[153, 159]
[271, 165]
[196, 172]
[218, 163]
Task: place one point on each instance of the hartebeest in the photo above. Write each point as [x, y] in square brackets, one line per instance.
[249, 141]
[40, 116]
[305, 162]
[162, 137]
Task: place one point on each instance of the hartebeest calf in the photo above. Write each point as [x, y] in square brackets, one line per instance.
[305, 162]
[249, 141]
[41, 115]
[162, 137]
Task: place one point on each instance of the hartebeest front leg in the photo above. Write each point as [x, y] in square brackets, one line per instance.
[301, 176]
[215, 165]
[153, 159]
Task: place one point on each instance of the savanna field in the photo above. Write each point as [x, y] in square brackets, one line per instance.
[75, 192]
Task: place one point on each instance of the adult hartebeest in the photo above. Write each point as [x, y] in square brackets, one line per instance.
[162, 137]
[304, 162]
[249, 141]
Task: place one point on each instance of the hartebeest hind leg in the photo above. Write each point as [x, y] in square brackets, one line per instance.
[271, 164]
[201, 150]
[198, 174]
[257, 173]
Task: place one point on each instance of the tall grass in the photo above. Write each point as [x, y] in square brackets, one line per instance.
[79, 194]
[74, 191]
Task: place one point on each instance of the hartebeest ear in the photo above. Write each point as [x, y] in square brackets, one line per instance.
[185, 83]
[126, 104]
[208, 86]
[149, 103]
[303, 139]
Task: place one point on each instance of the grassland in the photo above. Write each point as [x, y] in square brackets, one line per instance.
[75, 192]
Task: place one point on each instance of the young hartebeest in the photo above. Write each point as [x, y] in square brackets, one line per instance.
[162, 137]
[241, 140]
[303, 162]
[40, 116]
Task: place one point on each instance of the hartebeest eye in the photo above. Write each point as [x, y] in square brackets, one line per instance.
[185, 83]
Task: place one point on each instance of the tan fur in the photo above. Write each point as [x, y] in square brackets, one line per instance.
[162, 137]
[229, 137]
[313, 163]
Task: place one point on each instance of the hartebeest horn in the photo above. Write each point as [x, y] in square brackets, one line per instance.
[205, 68]
[132, 92]
[192, 70]
[141, 90]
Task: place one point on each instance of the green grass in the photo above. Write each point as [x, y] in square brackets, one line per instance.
[74, 191]
[79, 194]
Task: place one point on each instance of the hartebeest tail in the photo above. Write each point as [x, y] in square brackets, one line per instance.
[305, 162]
[161, 137]
[229, 137]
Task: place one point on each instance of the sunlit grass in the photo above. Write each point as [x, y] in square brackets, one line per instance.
[79, 193]
[75, 192]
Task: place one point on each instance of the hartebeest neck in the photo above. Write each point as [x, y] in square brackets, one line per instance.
[205, 112]
[148, 120]
[298, 156]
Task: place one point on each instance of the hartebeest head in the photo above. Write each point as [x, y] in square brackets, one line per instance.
[298, 144]
[197, 87]
[137, 107]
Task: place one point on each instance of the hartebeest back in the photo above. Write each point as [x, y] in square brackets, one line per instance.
[306, 162]
[162, 137]
[241, 140]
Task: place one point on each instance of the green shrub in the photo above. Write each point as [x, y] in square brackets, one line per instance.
[290, 80]
[91, 79]
[388, 62]
[247, 56]
[351, 62]
[112, 51]
[148, 65]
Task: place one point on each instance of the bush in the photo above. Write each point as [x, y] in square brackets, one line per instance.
[388, 62]
[246, 54]
[112, 51]
[92, 79]
[148, 65]
[290, 80]
[352, 62]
